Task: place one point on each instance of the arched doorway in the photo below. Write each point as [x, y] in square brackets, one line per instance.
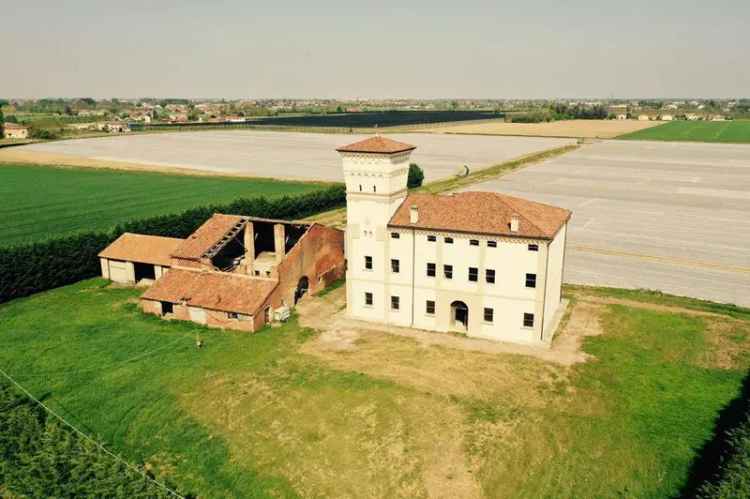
[302, 286]
[459, 316]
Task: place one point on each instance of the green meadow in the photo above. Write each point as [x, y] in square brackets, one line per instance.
[276, 414]
[41, 202]
[737, 131]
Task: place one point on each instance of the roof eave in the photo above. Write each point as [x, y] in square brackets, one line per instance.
[478, 233]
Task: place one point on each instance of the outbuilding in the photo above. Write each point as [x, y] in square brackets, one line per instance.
[137, 258]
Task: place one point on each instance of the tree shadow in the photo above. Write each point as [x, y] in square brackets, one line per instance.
[706, 467]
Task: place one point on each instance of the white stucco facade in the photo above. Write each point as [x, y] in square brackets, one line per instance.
[488, 286]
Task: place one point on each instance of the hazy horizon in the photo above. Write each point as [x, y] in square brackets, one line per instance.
[411, 49]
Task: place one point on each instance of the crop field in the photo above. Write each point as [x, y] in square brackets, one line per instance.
[277, 414]
[696, 131]
[282, 155]
[41, 202]
[603, 129]
[670, 216]
[369, 119]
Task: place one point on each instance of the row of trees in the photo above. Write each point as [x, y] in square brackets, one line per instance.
[42, 457]
[30, 268]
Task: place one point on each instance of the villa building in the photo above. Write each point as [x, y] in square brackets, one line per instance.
[480, 263]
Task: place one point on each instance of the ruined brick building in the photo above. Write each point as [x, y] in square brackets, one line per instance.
[233, 272]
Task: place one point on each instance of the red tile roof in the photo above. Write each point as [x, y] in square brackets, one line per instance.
[377, 145]
[207, 235]
[212, 290]
[139, 248]
[481, 213]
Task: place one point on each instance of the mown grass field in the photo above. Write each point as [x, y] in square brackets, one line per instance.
[737, 131]
[271, 414]
[41, 202]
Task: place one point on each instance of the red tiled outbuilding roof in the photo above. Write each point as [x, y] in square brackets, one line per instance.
[211, 290]
[140, 248]
[207, 236]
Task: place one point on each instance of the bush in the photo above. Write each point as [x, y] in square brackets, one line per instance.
[416, 176]
[41, 457]
[31, 268]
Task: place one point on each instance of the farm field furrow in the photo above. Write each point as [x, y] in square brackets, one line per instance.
[44, 202]
[655, 215]
[287, 155]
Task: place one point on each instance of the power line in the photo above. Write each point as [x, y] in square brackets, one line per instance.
[82, 434]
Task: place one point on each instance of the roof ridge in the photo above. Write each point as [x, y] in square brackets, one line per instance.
[504, 199]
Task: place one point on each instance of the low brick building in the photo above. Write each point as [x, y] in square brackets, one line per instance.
[233, 272]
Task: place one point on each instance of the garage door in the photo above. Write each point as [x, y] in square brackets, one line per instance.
[118, 271]
[197, 315]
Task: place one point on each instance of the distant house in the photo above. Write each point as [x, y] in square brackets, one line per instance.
[718, 117]
[117, 127]
[643, 117]
[622, 116]
[692, 117]
[15, 131]
[666, 117]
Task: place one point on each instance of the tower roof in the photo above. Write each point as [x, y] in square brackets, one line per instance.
[377, 145]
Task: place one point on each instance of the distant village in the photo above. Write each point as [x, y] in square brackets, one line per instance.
[52, 118]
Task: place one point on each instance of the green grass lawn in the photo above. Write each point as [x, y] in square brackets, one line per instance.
[737, 131]
[272, 415]
[41, 202]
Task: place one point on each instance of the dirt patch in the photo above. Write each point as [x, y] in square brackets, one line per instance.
[604, 129]
[382, 442]
[338, 333]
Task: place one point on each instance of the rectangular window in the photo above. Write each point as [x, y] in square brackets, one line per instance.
[395, 235]
[448, 271]
[432, 239]
[528, 320]
[448, 240]
[167, 308]
[430, 270]
[489, 314]
[395, 302]
[368, 298]
[530, 280]
[473, 274]
[233, 315]
[368, 262]
[474, 242]
[533, 247]
[394, 266]
[492, 244]
[429, 307]
[489, 275]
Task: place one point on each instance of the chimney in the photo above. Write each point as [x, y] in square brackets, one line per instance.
[413, 214]
[514, 223]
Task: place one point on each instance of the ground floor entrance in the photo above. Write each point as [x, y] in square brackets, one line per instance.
[459, 316]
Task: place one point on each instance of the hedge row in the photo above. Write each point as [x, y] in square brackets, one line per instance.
[41, 457]
[733, 480]
[35, 267]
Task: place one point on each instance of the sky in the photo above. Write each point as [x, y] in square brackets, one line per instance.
[375, 49]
